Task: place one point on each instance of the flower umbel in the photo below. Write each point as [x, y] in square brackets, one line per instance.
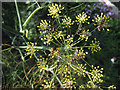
[67, 22]
[78, 54]
[54, 10]
[84, 35]
[31, 48]
[102, 22]
[68, 81]
[95, 46]
[43, 25]
[47, 39]
[96, 73]
[81, 18]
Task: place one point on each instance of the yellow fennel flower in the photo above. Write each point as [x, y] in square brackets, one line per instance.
[44, 25]
[102, 22]
[81, 18]
[54, 10]
[67, 22]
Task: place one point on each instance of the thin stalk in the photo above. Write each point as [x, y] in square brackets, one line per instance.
[93, 30]
[79, 28]
[76, 6]
[55, 43]
[58, 20]
[37, 3]
[29, 71]
[53, 78]
[64, 40]
[23, 62]
[6, 49]
[58, 42]
[90, 78]
[76, 42]
[54, 64]
[57, 78]
[84, 46]
[38, 47]
[25, 23]
[13, 40]
[87, 63]
[18, 14]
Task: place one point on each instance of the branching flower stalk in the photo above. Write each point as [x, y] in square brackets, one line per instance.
[65, 52]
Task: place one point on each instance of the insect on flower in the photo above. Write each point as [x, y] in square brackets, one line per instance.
[52, 29]
[101, 23]
[83, 32]
[77, 55]
[80, 30]
[53, 51]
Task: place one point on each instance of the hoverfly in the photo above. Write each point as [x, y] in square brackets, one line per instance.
[51, 53]
[77, 55]
[85, 33]
[80, 30]
[53, 50]
[52, 29]
[101, 23]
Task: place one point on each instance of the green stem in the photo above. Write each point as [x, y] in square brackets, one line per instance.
[25, 23]
[23, 62]
[6, 49]
[76, 42]
[57, 78]
[76, 6]
[93, 30]
[18, 14]
[37, 3]
[58, 20]
[90, 78]
[55, 43]
[84, 46]
[87, 63]
[64, 40]
[58, 42]
[38, 47]
[51, 70]
[53, 77]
